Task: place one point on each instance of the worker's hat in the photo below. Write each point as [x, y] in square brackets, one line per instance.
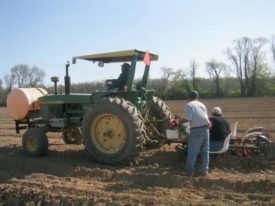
[217, 110]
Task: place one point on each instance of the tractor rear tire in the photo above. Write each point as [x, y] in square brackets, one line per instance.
[159, 111]
[72, 135]
[35, 142]
[113, 133]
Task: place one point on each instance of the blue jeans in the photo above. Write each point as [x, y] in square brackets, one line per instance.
[216, 145]
[198, 143]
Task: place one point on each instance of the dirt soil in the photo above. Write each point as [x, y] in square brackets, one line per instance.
[69, 176]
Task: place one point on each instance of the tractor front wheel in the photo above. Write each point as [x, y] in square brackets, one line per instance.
[35, 142]
[72, 135]
[113, 132]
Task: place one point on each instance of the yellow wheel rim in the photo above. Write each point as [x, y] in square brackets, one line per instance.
[32, 144]
[108, 133]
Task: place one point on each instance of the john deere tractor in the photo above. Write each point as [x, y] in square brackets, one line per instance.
[113, 124]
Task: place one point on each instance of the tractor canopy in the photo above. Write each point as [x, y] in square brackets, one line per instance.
[132, 56]
[118, 56]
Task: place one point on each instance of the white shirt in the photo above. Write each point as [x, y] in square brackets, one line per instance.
[196, 114]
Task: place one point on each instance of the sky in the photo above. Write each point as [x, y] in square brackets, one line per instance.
[49, 33]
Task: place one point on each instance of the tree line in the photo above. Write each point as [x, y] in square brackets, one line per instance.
[249, 71]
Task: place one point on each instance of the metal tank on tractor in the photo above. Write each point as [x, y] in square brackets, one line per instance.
[114, 125]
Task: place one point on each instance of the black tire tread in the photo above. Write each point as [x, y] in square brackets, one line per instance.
[68, 141]
[161, 111]
[42, 138]
[130, 152]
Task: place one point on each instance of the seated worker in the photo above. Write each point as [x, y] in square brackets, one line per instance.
[121, 82]
[219, 129]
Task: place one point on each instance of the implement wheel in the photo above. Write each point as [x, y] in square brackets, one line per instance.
[72, 135]
[35, 142]
[159, 111]
[112, 131]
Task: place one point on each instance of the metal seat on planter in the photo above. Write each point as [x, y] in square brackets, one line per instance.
[226, 143]
[225, 146]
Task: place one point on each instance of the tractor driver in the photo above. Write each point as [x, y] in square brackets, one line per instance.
[121, 82]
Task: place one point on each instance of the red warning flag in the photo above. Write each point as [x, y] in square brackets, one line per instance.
[147, 59]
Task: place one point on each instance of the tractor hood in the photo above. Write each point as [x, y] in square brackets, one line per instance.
[118, 56]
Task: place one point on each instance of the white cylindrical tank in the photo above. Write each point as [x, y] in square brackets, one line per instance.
[22, 100]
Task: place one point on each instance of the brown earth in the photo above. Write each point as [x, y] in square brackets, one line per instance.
[69, 176]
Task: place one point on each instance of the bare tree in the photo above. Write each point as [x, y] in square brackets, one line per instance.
[36, 76]
[246, 44]
[215, 70]
[3, 96]
[1, 86]
[237, 64]
[194, 66]
[227, 79]
[87, 87]
[239, 57]
[10, 82]
[179, 75]
[167, 72]
[178, 85]
[22, 75]
[1, 91]
[248, 59]
[273, 48]
[159, 85]
[258, 65]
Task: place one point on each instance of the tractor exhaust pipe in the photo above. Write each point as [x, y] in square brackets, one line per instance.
[67, 80]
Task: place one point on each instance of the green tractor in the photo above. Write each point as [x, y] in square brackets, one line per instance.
[114, 125]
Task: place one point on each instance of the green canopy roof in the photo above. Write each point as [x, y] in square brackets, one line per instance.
[118, 56]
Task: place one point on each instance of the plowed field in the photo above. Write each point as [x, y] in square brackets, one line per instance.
[69, 176]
